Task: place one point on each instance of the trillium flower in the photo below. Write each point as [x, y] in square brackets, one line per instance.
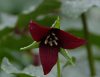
[51, 40]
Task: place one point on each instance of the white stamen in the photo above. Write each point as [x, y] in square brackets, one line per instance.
[46, 41]
[56, 38]
[53, 34]
[50, 43]
[48, 36]
[55, 42]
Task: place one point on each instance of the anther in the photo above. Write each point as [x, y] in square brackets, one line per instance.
[48, 36]
[46, 41]
[53, 34]
[56, 38]
[50, 43]
[55, 42]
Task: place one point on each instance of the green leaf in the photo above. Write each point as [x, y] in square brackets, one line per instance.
[18, 6]
[29, 70]
[57, 23]
[14, 42]
[46, 20]
[33, 45]
[46, 8]
[97, 58]
[5, 31]
[8, 67]
[23, 75]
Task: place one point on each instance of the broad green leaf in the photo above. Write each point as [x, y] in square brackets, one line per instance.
[31, 71]
[47, 8]
[10, 44]
[23, 75]
[11, 69]
[5, 32]
[14, 42]
[8, 67]
[3, 74]
[74, 8]
[47, 20]
[18, 6]
[97, 58]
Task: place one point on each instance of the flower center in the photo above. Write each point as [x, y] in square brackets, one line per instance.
[51, 39]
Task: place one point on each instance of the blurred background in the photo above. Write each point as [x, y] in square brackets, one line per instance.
[14, 19]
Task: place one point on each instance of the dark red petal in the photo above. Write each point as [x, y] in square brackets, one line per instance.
[48, 57]
[37, 31]
[68, 41]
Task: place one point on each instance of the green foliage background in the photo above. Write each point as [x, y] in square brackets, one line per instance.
[16, 15]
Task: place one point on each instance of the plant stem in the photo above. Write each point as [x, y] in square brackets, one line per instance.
[58, 68]
[33, 45]
[88, 46]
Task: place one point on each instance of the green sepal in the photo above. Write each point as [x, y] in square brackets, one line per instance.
[56, 23]
[65, 53]
[69, 63]
[33, 45]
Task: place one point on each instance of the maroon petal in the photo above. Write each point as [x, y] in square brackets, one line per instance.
[37, 31]
[48, 57]
[68, 41]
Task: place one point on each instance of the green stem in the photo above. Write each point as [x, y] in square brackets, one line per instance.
[58, 68]
[65, 53]
[33, 45]
[88, 46]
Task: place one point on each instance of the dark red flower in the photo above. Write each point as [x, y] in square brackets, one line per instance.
[51, 39]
